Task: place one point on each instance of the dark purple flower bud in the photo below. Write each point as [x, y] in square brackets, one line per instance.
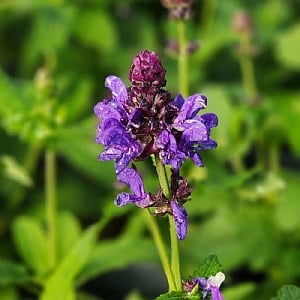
[189, 285]
[178, 9]
[172, 47]
[131, 177]
[242, 22]
[180, 219]
[147, 71]
[192, 47]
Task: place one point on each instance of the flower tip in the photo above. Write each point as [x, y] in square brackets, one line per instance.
[147, 69]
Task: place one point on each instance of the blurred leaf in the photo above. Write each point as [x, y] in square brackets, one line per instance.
[31, 243]
[96, 29]
[22, 113]
[290, 258]
[234, 232]
[290, 113]
[76, 98]
[78, 146]
[49, 33]
[127, 250]
[11, 103]
[68, 232]
[208, 267]
[60, 284]
[134, 295]
[9, 293]
[288, 47]
[288, 292]
[82, 295]
[12, 273]
[287, 210]
[15, 171]
[233, 128]
[238, 291]
[268, 16]
[264, 186]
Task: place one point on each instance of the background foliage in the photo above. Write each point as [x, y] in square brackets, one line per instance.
[54, 57]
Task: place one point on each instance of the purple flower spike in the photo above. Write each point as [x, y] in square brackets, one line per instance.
[139, 197]
[142, 120]
[180, 218]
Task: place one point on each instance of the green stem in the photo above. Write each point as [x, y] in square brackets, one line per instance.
[274, 157]
[162, 177]
[208, 14]
[51, 209]
[247, 69]
[182, 60]
[175, 262]
[152, 225]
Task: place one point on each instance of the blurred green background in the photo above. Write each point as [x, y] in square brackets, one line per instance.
[54, 57]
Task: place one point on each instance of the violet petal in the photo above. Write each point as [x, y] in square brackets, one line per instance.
[118, 89]
[180, 219]
[131, 177]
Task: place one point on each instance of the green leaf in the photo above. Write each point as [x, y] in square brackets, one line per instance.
[12, 273]
[15, 171]
[31, 243]
[289, 111]
[10, 101]
[90, 23]
[38, 44]
[288, 207]
[288, 292]
[78, 142]
[233, 128]
[177, 296]
[104, 256]
[239, 291]
[288, 47]
[60, 285]
[75, 96]
[68, 232]
[209, 266]
[9, 293]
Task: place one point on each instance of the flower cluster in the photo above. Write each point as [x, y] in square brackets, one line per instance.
[144, 120]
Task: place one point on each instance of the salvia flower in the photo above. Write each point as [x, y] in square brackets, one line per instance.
[144, 120]
[212, 285]
[208, 286]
